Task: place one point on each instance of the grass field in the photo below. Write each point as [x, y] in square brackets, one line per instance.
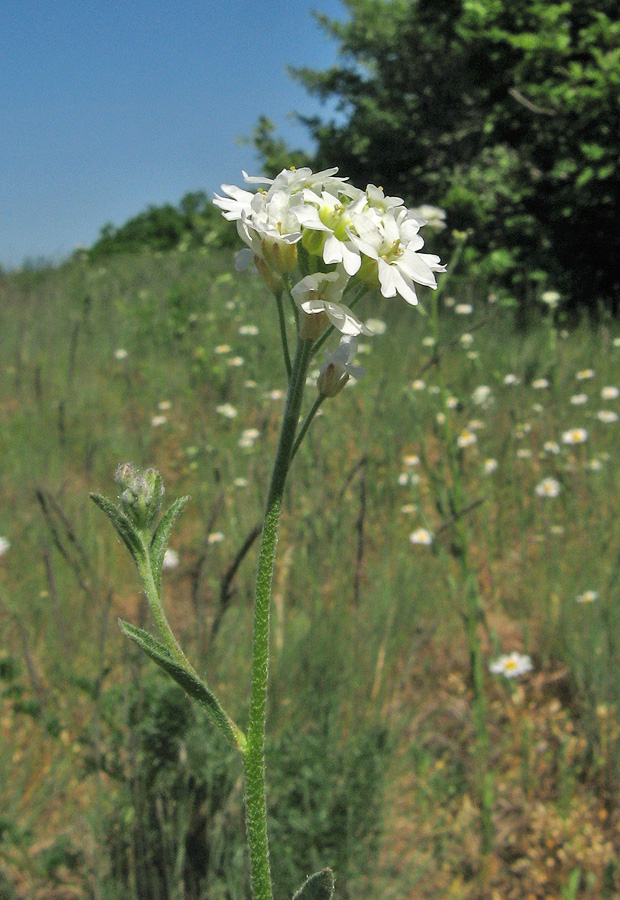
[113, 787]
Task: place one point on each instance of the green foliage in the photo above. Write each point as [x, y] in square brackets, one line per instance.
[180, 816]
[504, 112]
[319, 886]
[193, 223]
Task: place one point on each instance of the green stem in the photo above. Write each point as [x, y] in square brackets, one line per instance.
[254, 757]
[283, 335]
[307, 422]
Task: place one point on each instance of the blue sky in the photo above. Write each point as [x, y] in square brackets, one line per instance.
[106, 107]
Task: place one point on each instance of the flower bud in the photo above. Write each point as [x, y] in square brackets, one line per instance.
[142, 494]
[337, 368]
[312, 325]
[279, 255]
[273, 281]
[313, 242]
[331, 380]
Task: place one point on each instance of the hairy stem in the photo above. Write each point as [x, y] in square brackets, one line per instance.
[254, 757]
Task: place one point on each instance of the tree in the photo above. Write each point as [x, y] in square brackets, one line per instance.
[505, 112]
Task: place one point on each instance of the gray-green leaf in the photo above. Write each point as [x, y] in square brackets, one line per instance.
[319, 886]
[123, 526]
[186, 679]
[162, 535]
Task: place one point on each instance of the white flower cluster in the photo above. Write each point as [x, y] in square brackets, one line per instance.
[335, 235]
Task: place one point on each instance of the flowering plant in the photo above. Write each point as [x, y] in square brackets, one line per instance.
[323, 244]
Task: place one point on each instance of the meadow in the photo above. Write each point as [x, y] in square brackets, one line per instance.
[457, 503]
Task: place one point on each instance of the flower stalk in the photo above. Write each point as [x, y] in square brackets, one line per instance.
[254, 756]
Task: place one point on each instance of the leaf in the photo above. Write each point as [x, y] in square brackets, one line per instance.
[192, 685]
[162, 536]
[319, 886]
[123, 526]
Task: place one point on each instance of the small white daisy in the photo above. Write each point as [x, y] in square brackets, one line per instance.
[575, 436]
[584, 374]
[466, 439]
[610, 393]
[4, 545]
[421, 536]
[121, 353]
[511, 665]
[377, 326]
[587, 597]
[607, 416]
[548, 487]
[227, 410]
[171, 559]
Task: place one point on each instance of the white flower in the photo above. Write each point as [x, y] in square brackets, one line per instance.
[393, 241]
[248, 330]
[171, 559]
[610, 393]
[607, 416]
[215, 537]
[227, 410]
[524, 453]
[411, 459]
[164, 405]
[466, 439]
[511, 665]
[551, 447]
[616, 342]
[376, 326]
[476, 425]
[490, 466]
[322, 293]
[463, 309]
[418, 384]
[276, 394]
[551, 298]
[121, 353]
[595, 465]
[337, 367]
[511, 379]
[157, 421]
[481, 395]
[452, 402]
[222, 348]
[584, 374]
[575, 436]
[587, 597]
[421, 536]
[540, 384]
[4, 545]
[466, 339]
[579, 399]
[337, 223]
[548, 487]
[430, 215]
[329, 215]
[240, 482]
[428, 341]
